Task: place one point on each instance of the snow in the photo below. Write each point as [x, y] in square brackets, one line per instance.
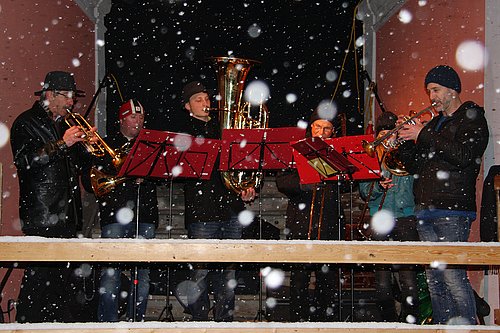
[36, 239]
[237, 326]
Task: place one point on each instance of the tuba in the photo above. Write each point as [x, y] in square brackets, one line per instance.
[233, 114]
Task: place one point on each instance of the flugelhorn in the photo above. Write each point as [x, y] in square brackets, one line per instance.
[370, 147]
[103, 183]
[98, 147]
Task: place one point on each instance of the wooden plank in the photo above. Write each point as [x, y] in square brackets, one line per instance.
[257, 327]
[21, 249]
[497, 195]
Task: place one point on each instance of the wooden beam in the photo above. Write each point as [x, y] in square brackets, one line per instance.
[24, 249]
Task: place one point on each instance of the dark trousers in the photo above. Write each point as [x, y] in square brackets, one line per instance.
[386, 293]
[46, 295]
[321, 305]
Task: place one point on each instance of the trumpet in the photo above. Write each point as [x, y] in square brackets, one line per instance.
[370, 147]
[99, 148]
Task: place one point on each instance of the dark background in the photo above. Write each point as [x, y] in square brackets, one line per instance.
[154, 47]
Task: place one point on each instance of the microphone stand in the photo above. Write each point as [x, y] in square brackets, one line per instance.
[102, 84]
[373, 87]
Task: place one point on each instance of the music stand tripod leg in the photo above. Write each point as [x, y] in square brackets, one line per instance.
[260, 312]
[167, 309]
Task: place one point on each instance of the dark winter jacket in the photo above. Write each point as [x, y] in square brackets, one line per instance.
[208, 200]
[446, 160]
[125, 194]
[489, 219]
[48, 171]
[301, 199]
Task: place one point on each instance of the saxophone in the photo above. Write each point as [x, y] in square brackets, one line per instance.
[233, 114]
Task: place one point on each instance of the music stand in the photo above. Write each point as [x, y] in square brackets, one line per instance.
[169, 155]
[339, 156]
[333, 167]
[323, 158]
[258, 149]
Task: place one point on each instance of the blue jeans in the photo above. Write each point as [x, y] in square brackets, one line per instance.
[451, 293]
[223, 280]
[109, 289]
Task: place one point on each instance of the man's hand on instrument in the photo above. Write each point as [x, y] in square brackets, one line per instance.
[248, 195]
[386, 183]
[411, 131]
[73, 135]
[93, 138]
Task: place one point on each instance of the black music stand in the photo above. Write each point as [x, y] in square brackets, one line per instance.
[333, 159]
[259, 150]
[169, 155]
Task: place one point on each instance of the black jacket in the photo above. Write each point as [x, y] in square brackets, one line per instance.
[489, 219]
[446, 159]
[125, 194]
[208, 200]
[324, 205]
[48, 171]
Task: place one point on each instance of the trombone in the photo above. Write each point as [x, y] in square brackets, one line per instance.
[370, 147]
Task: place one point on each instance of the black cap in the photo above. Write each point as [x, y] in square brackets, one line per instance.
[385, 122]
[445, 76]
[192, 88]
[58, 80]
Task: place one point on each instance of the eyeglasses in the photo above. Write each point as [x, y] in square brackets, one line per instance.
[68, 94]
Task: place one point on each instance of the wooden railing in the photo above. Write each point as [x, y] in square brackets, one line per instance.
[37, 249]
[19, 249]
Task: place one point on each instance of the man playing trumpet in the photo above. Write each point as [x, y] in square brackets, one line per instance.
[445, 157]
[48, 161]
